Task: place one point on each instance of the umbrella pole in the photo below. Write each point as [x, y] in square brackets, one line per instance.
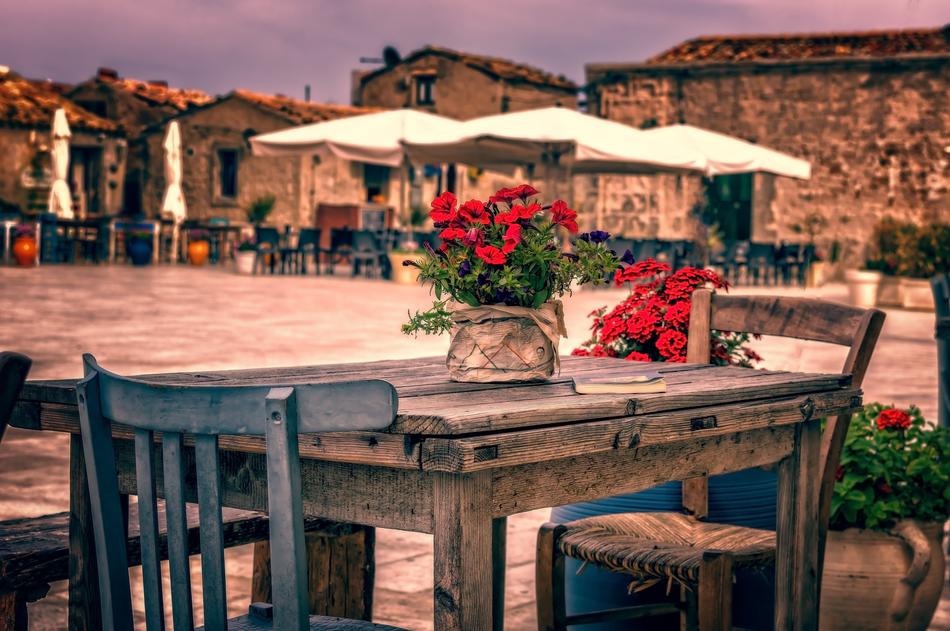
[173, 255]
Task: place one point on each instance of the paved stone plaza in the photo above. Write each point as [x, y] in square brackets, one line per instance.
[159, 319]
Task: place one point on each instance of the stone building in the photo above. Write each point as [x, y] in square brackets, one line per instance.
[461, 85]
[97, 150]
[134, 106]
[221, 177]
[870, 111]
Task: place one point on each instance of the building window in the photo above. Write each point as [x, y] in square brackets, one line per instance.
[227, 173]
[97, 107]
[425, 90]
[376, 181]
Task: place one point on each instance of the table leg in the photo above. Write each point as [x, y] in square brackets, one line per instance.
[462, 536]
[499, 559]
[796, 556]
[84, 609]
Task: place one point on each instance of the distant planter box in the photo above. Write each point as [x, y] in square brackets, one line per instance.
[916, 294]
[890, 293]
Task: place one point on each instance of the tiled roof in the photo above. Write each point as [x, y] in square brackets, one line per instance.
[25, 103]
[731, 48]
[494, 66]
[297, 111]
[157, 92]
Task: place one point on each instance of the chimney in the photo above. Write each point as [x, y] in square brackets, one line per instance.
[306, 93]
[107, 73]
[356, 86]
[158, 82]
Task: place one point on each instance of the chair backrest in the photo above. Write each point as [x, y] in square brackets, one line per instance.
[365, 241]
[14, 368]
[277, 412]
[799, 318]
[268, 236]
[341, 238]
[309, 238]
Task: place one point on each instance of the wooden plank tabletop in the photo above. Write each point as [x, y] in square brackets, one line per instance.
[432, 405]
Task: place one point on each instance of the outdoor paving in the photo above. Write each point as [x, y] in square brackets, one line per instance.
[159, 319]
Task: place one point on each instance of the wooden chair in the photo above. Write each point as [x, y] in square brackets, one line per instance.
[204, 413]
[701, 556]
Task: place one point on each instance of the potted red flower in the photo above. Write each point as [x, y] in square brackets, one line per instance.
[24, 245]
[497, 280]
[884, 562]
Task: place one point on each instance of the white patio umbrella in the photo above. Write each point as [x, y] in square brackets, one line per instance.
[554, 137]
[724, 154]
[373, 138]
[174, 201]
[60, 198]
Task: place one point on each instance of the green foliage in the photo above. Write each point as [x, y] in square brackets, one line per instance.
[889, 474]
[436, 320]
[906, 249]
[260, 209]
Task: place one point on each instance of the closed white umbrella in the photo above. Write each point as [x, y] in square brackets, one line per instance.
[60, 199]
[553, 136]
[174, 201]
[724, 154]
[373, 138]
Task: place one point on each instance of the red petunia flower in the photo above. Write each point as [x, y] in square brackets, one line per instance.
[883, 487]
[491, 255]
[678, 314]
[452, 234]
[473, 211]
[508, 195]
[892, 418]
[443, 208]
[512, 238]
[671, 344]
[647, 268]
[642, 326]
[636, 356]
[561, 215]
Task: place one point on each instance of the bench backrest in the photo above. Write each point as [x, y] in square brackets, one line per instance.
[14, 368]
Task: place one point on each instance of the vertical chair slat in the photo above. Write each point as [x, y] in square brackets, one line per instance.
[212, 537]
[288, 563]
[174, 468]
[106, 513]
[148, 530]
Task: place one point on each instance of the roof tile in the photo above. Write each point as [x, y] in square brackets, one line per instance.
[25, 103]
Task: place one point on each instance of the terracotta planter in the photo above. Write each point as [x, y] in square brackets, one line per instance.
[24, 251]
[817, 274]
[890, 293]
[863, 287]
[198, 252]
[244, 261]
[916, 294]
[404, 275]
[498, 343]
[876, 581]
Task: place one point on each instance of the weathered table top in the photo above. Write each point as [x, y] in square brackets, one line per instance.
[448, 426]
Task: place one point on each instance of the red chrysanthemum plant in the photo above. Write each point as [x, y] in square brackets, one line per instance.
[506, 251]
[653, 322]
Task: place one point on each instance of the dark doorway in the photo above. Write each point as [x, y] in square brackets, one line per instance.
[376, 181]
[729, 206]
[132, 194]
[85, 178]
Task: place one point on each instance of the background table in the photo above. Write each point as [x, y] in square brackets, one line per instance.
[460, 458]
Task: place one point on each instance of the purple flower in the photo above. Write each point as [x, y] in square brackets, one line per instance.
[482, 279]
[628, 258]
[465, 269]
[595, 236]
[503, 295]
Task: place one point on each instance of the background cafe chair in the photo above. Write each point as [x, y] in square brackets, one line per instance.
[268, 246]
[308, 245]
[204, 413]
[681, 547]
[367, 254]
[34, 551]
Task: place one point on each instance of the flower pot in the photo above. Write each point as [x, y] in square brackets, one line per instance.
[881, 581]
[198, 252]
[817, 274]
[863, 287]
[140, 251]
[916, 294]
[244, 261]
[891, 292]
[24, 251]
[404, 274]
[498, 343]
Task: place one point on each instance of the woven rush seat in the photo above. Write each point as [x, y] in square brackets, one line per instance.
[662, 545]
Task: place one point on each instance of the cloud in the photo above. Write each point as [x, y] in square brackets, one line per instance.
[280, 45]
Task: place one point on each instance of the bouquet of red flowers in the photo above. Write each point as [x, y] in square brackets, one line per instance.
[652, 323]
[505, 251]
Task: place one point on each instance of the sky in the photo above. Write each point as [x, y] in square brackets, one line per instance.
[278, 46]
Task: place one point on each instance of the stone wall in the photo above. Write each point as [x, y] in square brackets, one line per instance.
[875, 133]
[460, 92]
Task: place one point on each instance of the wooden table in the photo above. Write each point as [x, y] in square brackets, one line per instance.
[460, 458]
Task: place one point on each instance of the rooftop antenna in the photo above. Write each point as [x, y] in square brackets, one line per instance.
[390, 57]
[306, 93]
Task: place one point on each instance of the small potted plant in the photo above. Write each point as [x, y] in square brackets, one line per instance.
[884, 562]
[408, 250]
[260, 209]
[923, 252]
[497, 279]
[246, 257]
[139, 246]
[24, 245]
[198, 246]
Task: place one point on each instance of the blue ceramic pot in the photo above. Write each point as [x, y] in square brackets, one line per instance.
[140, 251]
[744, 498]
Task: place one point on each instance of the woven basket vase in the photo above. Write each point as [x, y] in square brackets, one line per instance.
[498, 343]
